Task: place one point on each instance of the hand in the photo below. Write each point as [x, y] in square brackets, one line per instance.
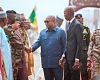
[28, 49]
[89, 67]
[76, 65]
[61, 62]
[89, 64]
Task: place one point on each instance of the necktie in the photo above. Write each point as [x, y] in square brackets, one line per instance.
[68, 25]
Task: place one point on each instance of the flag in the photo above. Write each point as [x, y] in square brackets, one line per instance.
[33, 19]
[78, 4]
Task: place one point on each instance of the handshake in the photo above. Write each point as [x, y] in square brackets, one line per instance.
[28, 49]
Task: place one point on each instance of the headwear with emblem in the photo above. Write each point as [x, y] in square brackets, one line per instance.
[59, 19]
[78, 15]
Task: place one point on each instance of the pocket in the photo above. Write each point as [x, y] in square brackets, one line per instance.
[57, 57]
[43, 40]
[56, 41]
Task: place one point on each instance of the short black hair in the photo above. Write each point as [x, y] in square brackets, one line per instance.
[11, 11]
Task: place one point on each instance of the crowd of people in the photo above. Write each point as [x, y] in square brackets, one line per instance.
[17, 61]
[67, 54]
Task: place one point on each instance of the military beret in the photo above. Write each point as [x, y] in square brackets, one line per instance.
[78, 15]
[2, 14]
[17, 19]
[11, 11]
[59, 19]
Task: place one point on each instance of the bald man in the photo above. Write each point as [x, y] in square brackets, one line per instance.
[74, 46]
[52, 41]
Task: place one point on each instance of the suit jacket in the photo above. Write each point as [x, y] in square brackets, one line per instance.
[74, 41]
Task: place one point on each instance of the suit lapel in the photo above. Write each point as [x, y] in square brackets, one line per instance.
[70, 28]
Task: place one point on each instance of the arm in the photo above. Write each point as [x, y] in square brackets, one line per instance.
[79, 38]
[37, 44]
[90, 50]
[63, 39]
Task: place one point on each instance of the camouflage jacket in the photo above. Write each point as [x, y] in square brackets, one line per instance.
[94, 47]
[16, 45]
[86, 38]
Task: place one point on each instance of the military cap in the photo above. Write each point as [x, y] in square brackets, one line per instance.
[78, 15]
[11, 11]
[59, 19]
[2, 14]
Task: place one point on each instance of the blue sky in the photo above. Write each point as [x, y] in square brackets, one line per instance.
[44, 8]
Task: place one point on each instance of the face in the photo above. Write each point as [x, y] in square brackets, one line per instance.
[66, 14]
[49, 23]
[27, 25]
[16, 25]
[80, 19]
[5, 21]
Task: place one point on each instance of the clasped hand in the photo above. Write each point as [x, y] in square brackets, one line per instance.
[28, 49]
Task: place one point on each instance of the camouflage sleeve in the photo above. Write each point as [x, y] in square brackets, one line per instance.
[90, 48]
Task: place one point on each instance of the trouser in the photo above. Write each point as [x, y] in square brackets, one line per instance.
[83, 69]
[69, 72]
[96, 78]
[53, 73]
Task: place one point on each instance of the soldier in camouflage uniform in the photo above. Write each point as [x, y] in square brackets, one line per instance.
[86, 40]
[17, 48]
[94, 55]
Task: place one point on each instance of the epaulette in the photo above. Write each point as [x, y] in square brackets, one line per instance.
[86, 27]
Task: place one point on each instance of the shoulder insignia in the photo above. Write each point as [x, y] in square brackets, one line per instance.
[12, 32]
[84, 31]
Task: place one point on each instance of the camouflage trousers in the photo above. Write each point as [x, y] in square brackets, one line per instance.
[15, 71]
[95, 73]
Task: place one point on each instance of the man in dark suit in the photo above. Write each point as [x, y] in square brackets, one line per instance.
[74, 46]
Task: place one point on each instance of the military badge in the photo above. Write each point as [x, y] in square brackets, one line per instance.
[85, 32]
[12, 33]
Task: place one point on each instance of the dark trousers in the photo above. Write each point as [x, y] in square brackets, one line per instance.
[69, 72]
[83, 60]
[53, 73]
[84, 69]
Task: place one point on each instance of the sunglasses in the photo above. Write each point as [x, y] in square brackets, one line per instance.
[46, 21]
